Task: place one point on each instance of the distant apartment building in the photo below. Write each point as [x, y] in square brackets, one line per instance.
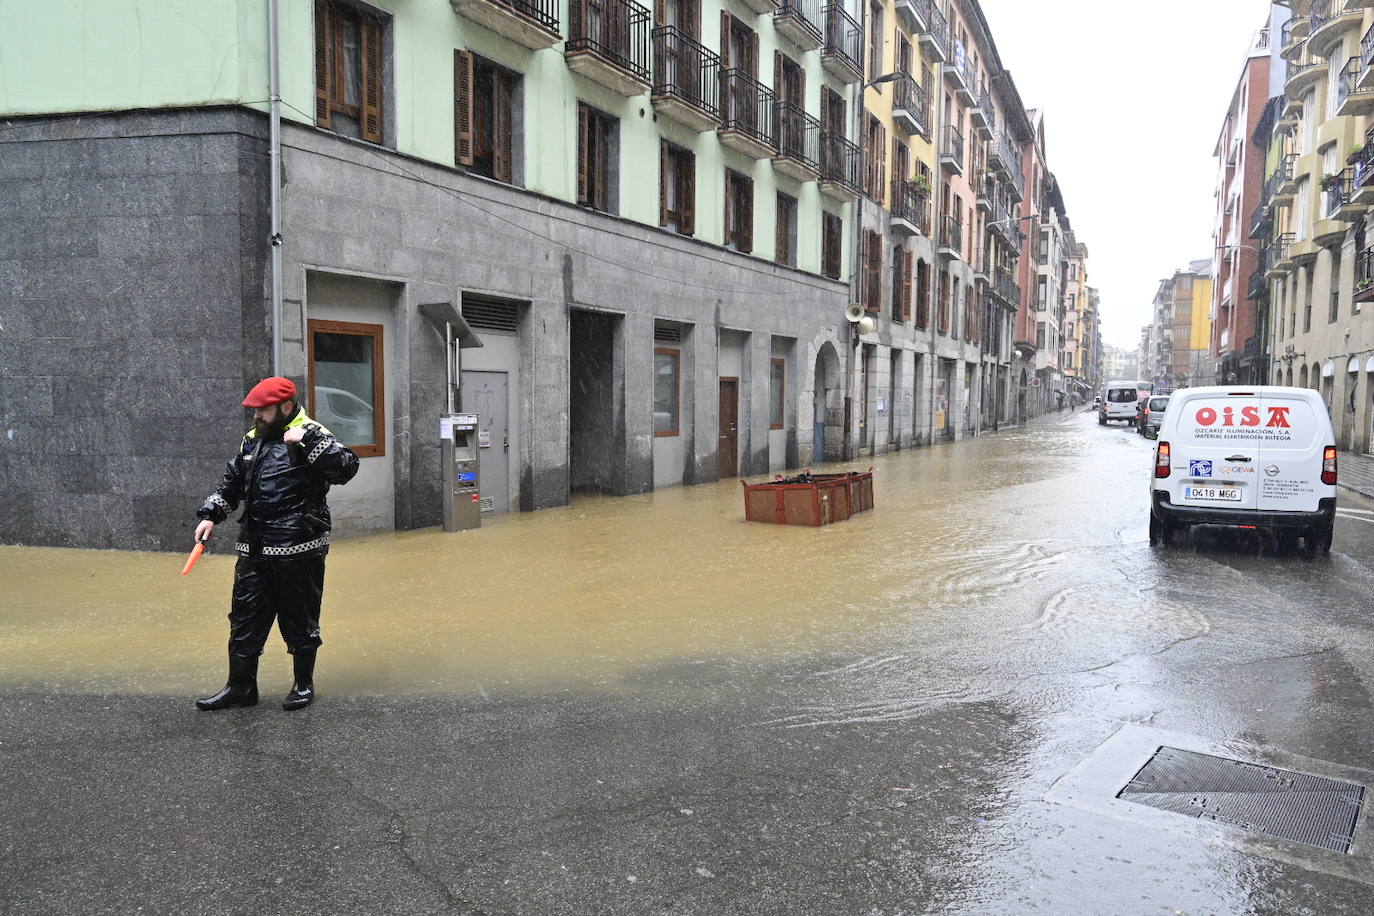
[1179, 342]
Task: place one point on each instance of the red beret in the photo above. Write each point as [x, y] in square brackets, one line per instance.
[270, 391]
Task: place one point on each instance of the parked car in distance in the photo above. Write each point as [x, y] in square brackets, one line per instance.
[1261, 457]
[1152, 415]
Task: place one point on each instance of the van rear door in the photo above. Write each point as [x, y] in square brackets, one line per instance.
[1293, 437]
[1215, 456]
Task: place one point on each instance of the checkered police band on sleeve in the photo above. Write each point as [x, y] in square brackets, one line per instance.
[270, 391]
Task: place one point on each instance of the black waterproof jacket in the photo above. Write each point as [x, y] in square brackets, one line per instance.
[282, 489]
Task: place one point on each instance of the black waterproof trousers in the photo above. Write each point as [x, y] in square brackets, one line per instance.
[285, 589]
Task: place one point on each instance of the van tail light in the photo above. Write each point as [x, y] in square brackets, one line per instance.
[1162, 460]
[1329, 465]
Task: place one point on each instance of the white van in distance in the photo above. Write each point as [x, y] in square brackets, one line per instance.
[1121, 400]
[1259, 457]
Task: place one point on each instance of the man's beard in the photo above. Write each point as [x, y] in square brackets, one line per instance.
[272, 429]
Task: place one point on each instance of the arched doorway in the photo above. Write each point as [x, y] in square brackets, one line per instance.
[828, 406]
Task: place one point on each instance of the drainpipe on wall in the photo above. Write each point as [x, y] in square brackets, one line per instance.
[274, 158]
[855, 282]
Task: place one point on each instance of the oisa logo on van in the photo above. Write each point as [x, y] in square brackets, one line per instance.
[1249, 416]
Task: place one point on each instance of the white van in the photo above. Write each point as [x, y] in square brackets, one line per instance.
[1257, 457]
[1120, 401]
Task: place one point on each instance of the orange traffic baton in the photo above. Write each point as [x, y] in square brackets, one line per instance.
[195, 555]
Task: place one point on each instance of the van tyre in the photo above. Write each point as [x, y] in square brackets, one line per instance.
[1160, 531]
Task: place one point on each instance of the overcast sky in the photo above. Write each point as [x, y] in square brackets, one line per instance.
[1134, 96]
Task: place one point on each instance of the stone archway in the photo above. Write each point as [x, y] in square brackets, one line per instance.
[827, 406]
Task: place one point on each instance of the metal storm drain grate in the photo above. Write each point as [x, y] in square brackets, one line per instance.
[1293, 806]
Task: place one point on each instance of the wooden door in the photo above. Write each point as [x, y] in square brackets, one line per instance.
[728, 446]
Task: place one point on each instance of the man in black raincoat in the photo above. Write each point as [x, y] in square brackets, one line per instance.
[280, 475]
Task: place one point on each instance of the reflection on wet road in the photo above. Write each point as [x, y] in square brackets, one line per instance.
[860, 718]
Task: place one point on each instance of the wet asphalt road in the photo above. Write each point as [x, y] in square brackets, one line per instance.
[654, 708]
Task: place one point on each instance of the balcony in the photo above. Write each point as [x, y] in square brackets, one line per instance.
[952, 151]
[1302, 73]
[762, 7]
[1292, 36]
[746, 115]
[1330, 22]
[1260, 221]
[839, 167]
[686, 80]
[799, 22]
[1259, 284]
[984, 190]
[1351, 100]
[1285, 178]
[608, 42]
[958, 74]
[910, 208]
[1364, 275]
[799, 143]
[1004, 156]
[1366, 78]
[843, 55]
[951, 238]
[1363, 190]
[1005, 287]
[935, 36]
[978, 115]
[532, 23]
[1279, 255]
[910, 106]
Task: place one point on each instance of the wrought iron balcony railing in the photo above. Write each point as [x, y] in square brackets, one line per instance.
[805, 14]
[1320, 12]
[544, 12]
[1345, 80]
[1283, 172]
[799, 135]
[1005, 285]
[936, 25]
[686, 69]
[1336, 189]
[839, 160]
[1302, 64]
[911, 203]
[1258, 284]
[746, 106]
[952, 235]
[615, 30]
[1281, 249]
[953, 145]
[1259, 220]
[909, 95]
[844, 37]
[1364, 163]
[1364, 275]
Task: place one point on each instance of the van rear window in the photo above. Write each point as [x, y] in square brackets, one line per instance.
[1122, 395]
[1236, 419]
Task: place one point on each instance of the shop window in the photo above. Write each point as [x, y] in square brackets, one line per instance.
[346, 383]
[667, 370]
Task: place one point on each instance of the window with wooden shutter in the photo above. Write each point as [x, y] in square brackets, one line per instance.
[831, 245]
[595, 150]
[462, 107]
[908, 258]
[739, 212]
[323, 38]
[896, 283]
[786, 224]
[372, 80]
[677, 189]
[350, 51]
[922, 294]
[871, 257]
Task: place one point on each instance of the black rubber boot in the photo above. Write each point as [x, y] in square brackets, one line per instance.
[303, 690]
[242, 688]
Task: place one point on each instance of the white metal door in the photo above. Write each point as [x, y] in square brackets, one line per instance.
[486, 394]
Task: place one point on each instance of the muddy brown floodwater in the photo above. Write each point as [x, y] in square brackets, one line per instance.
[578, 596]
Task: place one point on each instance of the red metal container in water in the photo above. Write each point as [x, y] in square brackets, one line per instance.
[809, 499]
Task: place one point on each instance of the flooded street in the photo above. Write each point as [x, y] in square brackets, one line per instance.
[646, 705]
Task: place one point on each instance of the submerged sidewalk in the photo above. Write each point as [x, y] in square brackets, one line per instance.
[1355, 472]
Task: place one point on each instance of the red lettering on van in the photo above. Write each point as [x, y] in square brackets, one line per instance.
[1278, 418]
[1249, 416]
[1206, 417]
[1228, 417]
